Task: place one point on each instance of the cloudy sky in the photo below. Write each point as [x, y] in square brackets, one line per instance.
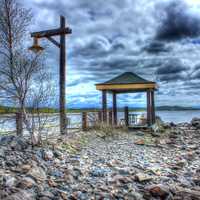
[157, 39]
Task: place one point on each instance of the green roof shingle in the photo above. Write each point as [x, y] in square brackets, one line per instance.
[127, 78]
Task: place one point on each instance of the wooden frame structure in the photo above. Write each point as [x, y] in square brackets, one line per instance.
[62, 31]
[127, 82]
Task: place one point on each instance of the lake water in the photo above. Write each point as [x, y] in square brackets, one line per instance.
[75, 119]
[173, 116]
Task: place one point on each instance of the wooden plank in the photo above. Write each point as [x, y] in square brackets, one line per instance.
[100, 116]
[52, 32]
[126, 86]
[153, 107]
[110, 117]
[19, 123]
[148, 108]
[84, 121]
[62, 79]
[114, 108]
[126, 118]
[104, 106]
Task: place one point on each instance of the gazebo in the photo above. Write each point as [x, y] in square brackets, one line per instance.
[127, 82]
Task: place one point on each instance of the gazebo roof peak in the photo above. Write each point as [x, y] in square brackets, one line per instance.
[127, 78]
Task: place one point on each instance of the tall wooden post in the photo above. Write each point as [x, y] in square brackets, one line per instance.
[126, 118]
[148, 108]
[19, 123]
[84, 121]
[62, 78]
[104, 105]
[153, 107]
[110, 117]
[114, 109]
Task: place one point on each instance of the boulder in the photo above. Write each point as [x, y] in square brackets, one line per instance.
[196, 122]
[159, 191]
[21, 195]
[26, 182]
[37, 173]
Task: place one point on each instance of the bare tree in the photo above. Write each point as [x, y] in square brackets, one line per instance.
[40, 94]
[17, 66]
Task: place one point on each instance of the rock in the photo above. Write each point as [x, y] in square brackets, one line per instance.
[48, 155]
[21, 195]
[26, 182]
[37, 173]
[159, 191]
[5, 140]
[142, 177]
[98, 172]
[159, 126]
[9, 181]
[19, 143]
[196, 122]
[140, 142]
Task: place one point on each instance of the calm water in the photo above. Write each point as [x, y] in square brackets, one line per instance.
[75, 119]
[172, 116]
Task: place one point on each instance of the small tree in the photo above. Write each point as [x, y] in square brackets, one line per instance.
[17, 66]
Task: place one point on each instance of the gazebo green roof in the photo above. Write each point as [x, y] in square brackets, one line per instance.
[127, 82]
[127, 78]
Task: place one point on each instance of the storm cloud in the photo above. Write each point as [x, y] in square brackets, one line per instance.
[177, 22]
[157, 39]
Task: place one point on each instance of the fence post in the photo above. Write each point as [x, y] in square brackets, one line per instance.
[19, 123]
[126, 116]
[110, 114]
[100, 116]
[84, 121]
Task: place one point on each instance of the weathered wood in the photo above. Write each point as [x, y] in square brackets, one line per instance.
[19, 123]
[53, 41]
[84, 121]
[62, 73]
[148, 108]
[100, 116]
[104, 106]
[52, 32]
[126, 119]
[125, 86]
[153, 108]
[110, 117]
[114, 109]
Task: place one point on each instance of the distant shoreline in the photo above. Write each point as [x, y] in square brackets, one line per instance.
[12, 110]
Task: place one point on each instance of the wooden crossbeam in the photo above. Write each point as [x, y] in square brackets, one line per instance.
[52, 32]
[53, 41]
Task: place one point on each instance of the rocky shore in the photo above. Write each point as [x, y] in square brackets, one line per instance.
[137, 165]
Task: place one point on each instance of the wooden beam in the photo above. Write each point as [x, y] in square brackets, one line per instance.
[114, 108]
[126, 86]
[153, 107]
[53, 41]
[62, 77]
[52, 32]
[84, 121]
[126, 118]
[110, 117]
[104, 105]
[148, 108]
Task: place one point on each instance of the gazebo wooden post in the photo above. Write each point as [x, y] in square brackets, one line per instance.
[153, 107]
[104, 105]
[148, 108]
[114, 108]
[126, 118]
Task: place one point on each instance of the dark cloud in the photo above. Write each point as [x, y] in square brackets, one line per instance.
[171, 77]
[171, 67]
[156, 47]
[177, 22]
[196, 75]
